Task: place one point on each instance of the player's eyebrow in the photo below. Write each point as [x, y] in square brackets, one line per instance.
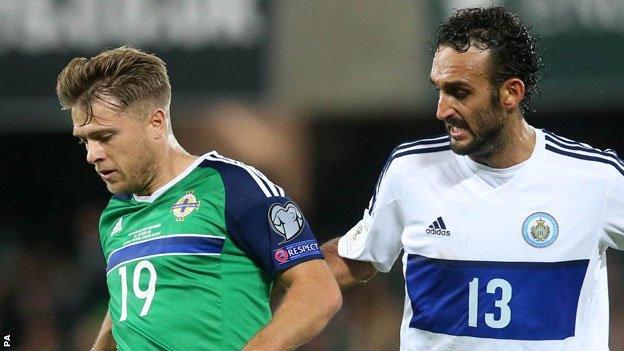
[452, 84]
[95, 134]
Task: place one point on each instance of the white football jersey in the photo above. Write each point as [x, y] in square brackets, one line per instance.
[516, 266]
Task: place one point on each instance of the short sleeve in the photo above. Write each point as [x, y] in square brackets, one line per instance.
[274, 232]
[613, 214]
[261, 219]
[377, 237]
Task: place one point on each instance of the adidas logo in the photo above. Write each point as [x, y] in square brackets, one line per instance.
[118, 226]
[438, 228]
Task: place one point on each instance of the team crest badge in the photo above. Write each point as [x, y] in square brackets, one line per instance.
[185, 206]
[286, 221]
[540, 229]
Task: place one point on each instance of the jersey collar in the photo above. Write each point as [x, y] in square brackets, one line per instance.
[172, 182]
[521, 172]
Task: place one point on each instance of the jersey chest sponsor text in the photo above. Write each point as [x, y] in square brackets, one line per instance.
[176, 215]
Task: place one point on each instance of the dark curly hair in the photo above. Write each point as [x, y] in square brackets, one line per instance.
[512, 47]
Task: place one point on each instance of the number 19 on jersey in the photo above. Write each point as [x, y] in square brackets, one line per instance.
[146, 294]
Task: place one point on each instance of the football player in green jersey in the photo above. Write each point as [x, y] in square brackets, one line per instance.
[192, 244]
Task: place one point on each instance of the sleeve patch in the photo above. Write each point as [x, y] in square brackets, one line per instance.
[286, 220]
[296, 251]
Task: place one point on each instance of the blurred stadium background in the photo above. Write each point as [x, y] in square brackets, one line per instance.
[313, 93]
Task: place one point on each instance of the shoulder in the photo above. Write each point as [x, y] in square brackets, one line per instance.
[581, 156]
[413, 154]
[422, 152]
[244, 185]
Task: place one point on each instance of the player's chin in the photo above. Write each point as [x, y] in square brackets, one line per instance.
[462, 147]
[116, 187]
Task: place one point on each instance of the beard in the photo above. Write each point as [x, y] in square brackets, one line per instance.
[486, 131]
[144, 176]
[140, 175]
[146, 171]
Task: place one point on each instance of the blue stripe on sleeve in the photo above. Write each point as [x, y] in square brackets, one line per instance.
[585, 157]
[199, 245]
[543, 304]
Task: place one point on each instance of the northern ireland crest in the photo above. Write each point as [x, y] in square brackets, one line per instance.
[185, 206]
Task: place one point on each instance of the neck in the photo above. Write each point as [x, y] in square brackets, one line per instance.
[171, 163]
[515, 144]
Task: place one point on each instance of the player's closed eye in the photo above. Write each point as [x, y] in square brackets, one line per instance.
[105, 137]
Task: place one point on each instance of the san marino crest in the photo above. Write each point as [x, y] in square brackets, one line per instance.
[540, 229]
[185, 206]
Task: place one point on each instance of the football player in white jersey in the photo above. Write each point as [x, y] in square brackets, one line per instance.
[503, 226]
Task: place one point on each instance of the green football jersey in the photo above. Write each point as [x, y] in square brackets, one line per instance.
[191, 266]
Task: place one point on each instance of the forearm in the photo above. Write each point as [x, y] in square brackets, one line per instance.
[104, 340]
[347, 272]
[305, 310]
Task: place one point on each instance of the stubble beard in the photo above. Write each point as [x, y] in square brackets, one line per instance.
[145, 174]
[490, 122]
[141, 176]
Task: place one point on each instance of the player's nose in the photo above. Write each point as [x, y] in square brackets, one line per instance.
[444, 108]
[95, 152]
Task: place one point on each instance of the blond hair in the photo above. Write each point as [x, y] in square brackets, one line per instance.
[125, 74]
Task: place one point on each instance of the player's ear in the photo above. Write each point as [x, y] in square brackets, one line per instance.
[157, 121]
[511, 93]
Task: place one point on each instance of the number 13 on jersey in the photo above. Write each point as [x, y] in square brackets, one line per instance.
[502, 303]
[502, 300]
